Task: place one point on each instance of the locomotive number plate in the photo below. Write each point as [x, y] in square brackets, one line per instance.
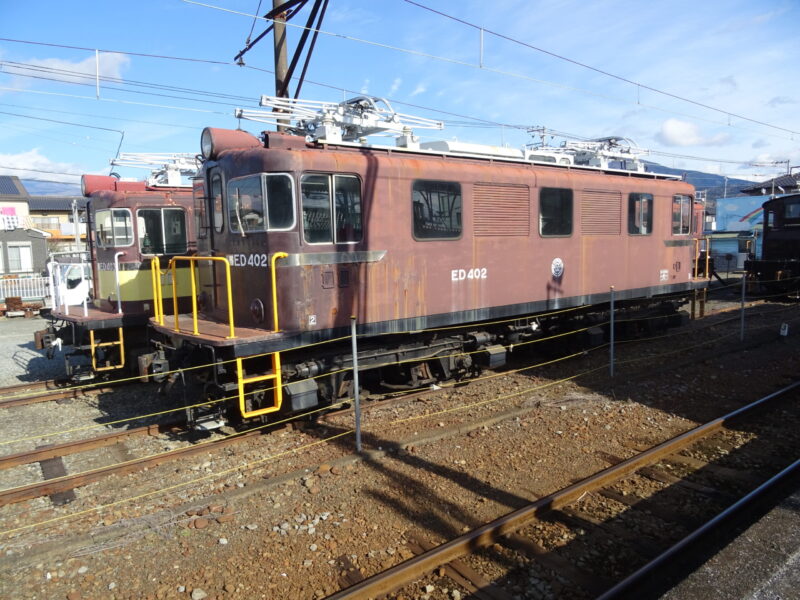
[462, 274]
[248, 260]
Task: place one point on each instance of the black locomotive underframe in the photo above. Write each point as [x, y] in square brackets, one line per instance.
[394, 361]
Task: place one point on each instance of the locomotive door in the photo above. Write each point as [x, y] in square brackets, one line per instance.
[214, 283]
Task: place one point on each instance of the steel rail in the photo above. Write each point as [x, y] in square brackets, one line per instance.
[26, 394]
[70, 482]
[76, 446]
[662, 559]
[412, 569]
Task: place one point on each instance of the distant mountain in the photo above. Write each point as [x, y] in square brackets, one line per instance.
[715, 186]
[46, 188]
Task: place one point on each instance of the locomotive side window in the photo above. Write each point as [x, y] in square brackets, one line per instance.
[437, 210]
[555, 212]
[246, 205]
[329, 199]
[200, 213]
[216, 197]
[792, 210]
[640, 214]
[161, 231]
[280, 202]
[681, 214]
[113, 228]
[316, 191]
[347, 208]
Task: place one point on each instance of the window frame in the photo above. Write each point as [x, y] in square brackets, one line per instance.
[265, 203]
[632, 214]
[27, 245]
[200, 207]
[332, 205]
[230, 204]
[571, 213]
[214, 213]
[162, 210]
[690, 202]
[293, 203]
[95, 223]
[413, 216]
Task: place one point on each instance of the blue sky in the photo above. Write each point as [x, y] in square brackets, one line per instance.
[736, 56]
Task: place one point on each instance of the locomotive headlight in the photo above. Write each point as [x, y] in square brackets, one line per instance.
[207, 143]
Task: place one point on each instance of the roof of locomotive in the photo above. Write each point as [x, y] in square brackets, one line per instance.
[272, 140]
[101, 199]
[781, 199]
[492, 159]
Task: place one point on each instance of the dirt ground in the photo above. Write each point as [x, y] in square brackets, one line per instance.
[288, 515]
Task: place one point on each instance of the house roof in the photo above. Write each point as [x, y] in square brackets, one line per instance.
[11, 188]
[787, 182]
[55, 203]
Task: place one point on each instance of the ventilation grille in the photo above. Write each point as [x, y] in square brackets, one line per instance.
[601, 212]
[501, 210]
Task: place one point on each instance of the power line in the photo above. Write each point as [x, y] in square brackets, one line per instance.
[596, 70]
[79, 74]
[413, 52]
[38, 171]
[482, 67]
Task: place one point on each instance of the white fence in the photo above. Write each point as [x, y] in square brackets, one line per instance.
[28, 288]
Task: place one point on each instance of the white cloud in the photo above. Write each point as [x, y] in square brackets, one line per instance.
[33, 165]
[420, 89]
[110, 65]
[395, 85]
[780, 100]
[675, 132]
[365, 87]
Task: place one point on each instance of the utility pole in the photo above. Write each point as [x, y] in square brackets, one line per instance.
[279, 33]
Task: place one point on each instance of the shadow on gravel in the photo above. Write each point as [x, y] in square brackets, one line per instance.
[585, 546]
[33, 364]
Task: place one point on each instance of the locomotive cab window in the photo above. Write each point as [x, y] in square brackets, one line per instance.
[113, 228]
[681, 214]
[161, 230]
[246, 205]
[331, 208]
[437, 210]
[555, 212]
[259, 203]
[640, 214]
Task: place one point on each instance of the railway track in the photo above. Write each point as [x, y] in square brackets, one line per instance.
[46, 391]
[603, 535]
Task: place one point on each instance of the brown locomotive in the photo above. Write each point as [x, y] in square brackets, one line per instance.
[129, 223]
[297, 236]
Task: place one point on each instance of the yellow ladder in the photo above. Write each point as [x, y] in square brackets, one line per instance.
[277, 387]
[120, 342]
[275, 376]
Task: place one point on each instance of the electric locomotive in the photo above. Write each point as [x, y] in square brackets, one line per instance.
[778, 269]
[424, 245]
[102, 298]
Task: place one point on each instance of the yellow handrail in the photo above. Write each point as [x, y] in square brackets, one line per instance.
[158, 300]
[275, 257]
[192, 260]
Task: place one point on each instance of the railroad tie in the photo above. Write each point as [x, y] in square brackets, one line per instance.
[51, 469]
[461, 573]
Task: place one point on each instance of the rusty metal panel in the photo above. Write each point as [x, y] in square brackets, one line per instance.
[501, 209]
[601, 212]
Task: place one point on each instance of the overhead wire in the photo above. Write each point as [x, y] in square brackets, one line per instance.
[600, 71]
